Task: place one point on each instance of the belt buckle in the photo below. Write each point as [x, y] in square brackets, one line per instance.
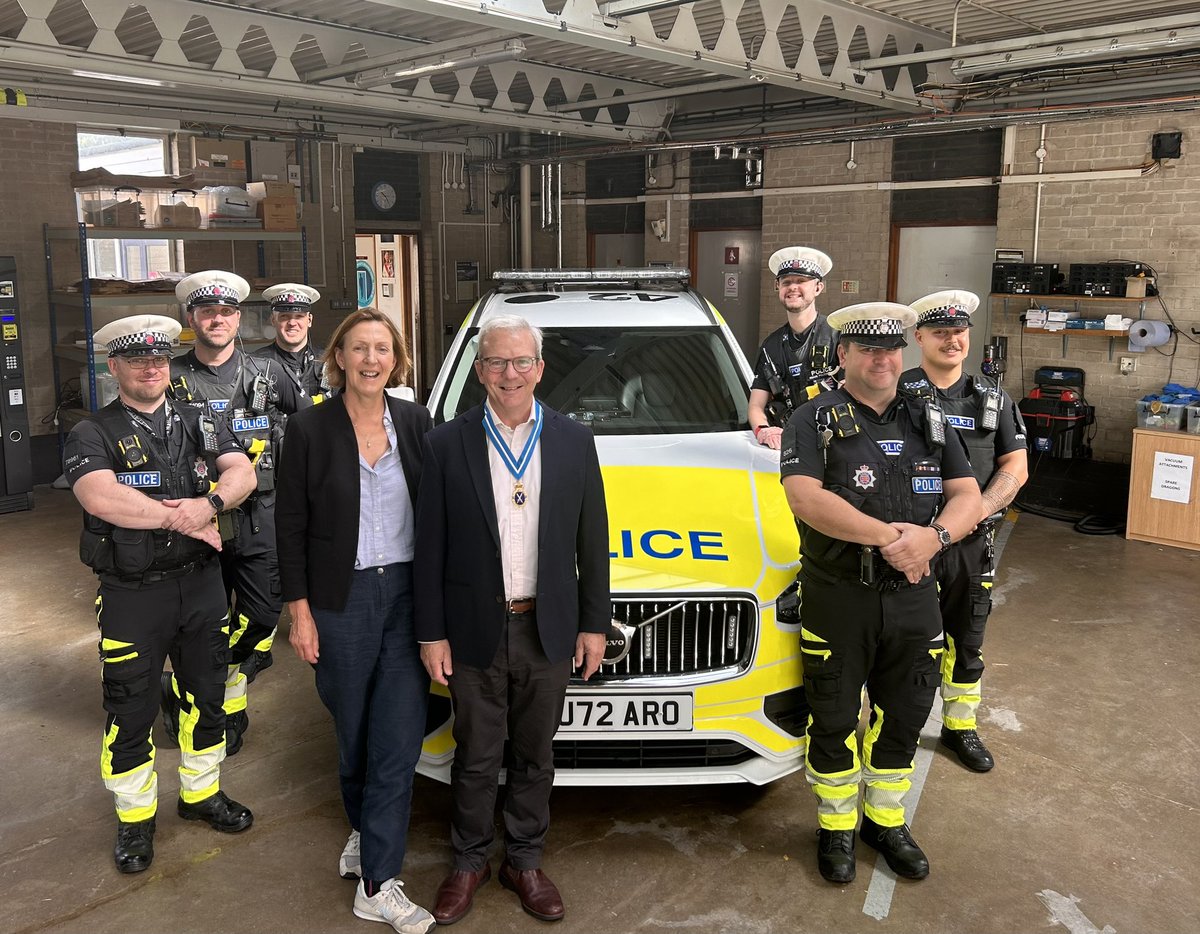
[520, 606]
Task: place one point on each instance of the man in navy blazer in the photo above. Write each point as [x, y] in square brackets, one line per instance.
[511, 591]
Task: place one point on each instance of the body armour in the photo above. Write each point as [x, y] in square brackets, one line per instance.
[143, 461]
[889, 471]
[249, 404]
[304, 368]
[793, 378]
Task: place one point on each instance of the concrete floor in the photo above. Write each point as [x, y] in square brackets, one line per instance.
[1089, 822]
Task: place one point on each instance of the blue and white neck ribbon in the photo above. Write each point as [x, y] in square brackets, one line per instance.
[516, 465]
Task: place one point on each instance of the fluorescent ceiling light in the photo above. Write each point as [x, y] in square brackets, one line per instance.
[513, 50]
[124, 79]
[1066, 53]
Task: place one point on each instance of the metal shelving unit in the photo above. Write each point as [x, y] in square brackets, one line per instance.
[85, 301]
[1075, 300]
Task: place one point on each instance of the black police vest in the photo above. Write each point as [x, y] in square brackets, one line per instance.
[259, 429]
[795, 373]
[965, 414]
[902, 486]
[141, 461]
[307, 372]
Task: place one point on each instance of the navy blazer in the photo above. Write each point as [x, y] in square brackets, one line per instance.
[317, 496]
[458, 574]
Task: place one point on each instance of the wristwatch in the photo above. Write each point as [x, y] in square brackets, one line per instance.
[943, 536]
[216, 502]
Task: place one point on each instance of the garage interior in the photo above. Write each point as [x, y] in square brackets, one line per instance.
[917, 142]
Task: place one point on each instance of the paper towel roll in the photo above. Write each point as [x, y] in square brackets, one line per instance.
[1144, 333]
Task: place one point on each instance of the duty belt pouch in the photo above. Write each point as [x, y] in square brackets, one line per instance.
[133, 550]
[266, 472]
[226, 527]
[96, 551]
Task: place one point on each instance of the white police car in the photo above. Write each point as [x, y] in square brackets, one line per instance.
[700, 681]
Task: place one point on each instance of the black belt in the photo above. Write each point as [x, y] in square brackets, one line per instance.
[165, 574]
[520, 606]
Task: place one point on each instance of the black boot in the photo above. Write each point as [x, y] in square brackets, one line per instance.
[134, 851]
[258, 661]
[835, 855]
[898, 848]
[969, 748]
[235, 725]
[219, 812]
[170, 709]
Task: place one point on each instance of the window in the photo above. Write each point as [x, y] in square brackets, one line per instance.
[123, 154]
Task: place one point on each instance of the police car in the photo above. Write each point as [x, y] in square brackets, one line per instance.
[700, 678]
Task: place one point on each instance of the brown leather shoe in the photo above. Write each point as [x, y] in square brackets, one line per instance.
[539, 896]
[457, 892]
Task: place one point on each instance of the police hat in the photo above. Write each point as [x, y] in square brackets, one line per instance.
[212, 287]
[874, 324]
[950, 308]
[291, 297]
[800, 261]
[139, 335]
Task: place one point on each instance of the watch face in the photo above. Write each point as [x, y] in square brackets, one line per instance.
[383, 196]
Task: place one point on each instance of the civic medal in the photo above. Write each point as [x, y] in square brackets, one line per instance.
[518, 495]
[516, 464]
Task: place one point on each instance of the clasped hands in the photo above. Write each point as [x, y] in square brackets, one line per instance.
[911, 553]
[193, 517]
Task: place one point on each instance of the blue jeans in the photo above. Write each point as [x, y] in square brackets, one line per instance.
[370, 677]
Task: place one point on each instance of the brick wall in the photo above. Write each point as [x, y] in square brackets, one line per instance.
[1150, 219]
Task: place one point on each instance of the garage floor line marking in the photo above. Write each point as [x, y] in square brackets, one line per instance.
[1064, 910]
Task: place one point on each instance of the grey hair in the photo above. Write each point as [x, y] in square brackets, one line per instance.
[509, 323]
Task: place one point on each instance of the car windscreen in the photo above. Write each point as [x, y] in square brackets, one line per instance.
[626, 381]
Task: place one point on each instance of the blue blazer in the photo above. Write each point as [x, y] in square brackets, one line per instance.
[458, 574]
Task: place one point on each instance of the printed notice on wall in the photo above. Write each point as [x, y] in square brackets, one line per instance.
[731, 285]
[1172, 478]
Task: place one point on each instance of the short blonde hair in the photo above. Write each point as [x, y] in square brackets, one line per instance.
[400, 369]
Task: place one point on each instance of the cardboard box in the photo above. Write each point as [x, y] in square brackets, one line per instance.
[261, 190]
[218, 153]
[278, 213]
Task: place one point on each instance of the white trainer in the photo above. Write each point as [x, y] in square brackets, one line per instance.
[393, 907]
[350, 864]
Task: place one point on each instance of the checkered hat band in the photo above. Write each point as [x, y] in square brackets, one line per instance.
[215, 294]
[943, 311]
[284, 299]
[872, 326]
[143, 341]
[799, 267]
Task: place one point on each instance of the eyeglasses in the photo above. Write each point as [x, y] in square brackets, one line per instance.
[212, 311]
[500, 364]
[157, 361]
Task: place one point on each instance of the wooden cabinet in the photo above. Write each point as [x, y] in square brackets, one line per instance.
[1151, 517]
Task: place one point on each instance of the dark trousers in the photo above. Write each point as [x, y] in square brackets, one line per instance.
[964, 575]
[370, 677]
[520, 695]
[250, 569]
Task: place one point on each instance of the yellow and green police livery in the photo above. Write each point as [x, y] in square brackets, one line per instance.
[701, 682]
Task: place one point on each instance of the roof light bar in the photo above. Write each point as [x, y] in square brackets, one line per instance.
[618, 274]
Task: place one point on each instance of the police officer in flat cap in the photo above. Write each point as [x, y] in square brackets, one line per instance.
[799, 359]
[151, 477]
[992, 427]
[253, 396]
[879, 486]
[291, 314]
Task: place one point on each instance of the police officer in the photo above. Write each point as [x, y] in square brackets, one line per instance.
[798, 360]
[144, 470]
[291, 314]
[995, 435]
[254, 396]
[879, 487]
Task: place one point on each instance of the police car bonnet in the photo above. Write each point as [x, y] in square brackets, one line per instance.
[800, 261]
[949, 308]
[212, 287]
[139, 335]
[874, 324]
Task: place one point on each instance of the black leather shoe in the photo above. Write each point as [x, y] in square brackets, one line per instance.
[235, 725]
[134, 851]
[219, 812]
[969, 748]
[170, 710]
[835, 855]
[258, 661]
[898, 848]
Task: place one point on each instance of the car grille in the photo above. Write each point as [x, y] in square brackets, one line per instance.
[686, 636]
[602, 753]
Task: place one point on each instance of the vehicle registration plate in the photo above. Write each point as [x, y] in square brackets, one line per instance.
[626, 712]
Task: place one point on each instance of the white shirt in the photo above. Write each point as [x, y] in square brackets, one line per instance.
[518, 524]
[386, 529]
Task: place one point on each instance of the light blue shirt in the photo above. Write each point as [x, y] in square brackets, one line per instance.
[386, 528]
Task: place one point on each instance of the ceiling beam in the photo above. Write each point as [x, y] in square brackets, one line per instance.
[415, 51]
[661, 94]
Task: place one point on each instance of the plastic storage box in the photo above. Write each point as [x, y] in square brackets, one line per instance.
[181, 209]
[1192, 423]
[123, 206]
[1160, 416]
